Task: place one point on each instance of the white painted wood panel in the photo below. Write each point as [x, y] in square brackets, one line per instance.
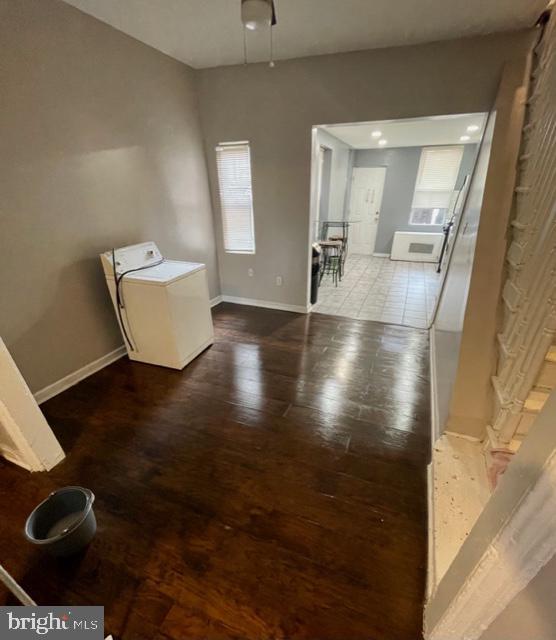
[34, 446]
[529, 294]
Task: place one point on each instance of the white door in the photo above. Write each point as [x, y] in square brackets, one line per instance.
[367, 187]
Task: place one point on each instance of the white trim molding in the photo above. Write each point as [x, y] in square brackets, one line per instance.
[435, 418]
[216, 300]
[266, 304]
[431, 560]
[27, 437]
[522, 546]
[76, 376]
[21, 453]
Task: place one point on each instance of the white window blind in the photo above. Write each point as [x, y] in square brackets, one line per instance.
[436, 178]
[233, 162]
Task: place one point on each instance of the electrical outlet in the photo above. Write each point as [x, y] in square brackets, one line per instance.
[279, 281]
[250, 272]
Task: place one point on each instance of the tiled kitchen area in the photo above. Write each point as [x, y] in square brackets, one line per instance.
[377, 288]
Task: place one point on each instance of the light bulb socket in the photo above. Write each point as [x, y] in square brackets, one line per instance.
[256, 14]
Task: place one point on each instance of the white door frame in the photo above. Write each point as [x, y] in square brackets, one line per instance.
[377, 217]
[514, 537]
[321, 151]
[318, 195]
[32, 444]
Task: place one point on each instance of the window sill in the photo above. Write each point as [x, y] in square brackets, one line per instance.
[425, 224]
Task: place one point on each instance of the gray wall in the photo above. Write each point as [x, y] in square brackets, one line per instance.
[402, 167]
[100, 146]
[275, 109]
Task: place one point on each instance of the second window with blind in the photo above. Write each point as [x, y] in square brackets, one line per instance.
[233, 162]
[435, 186]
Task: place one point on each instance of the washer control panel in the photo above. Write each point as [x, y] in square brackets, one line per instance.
[134, 256]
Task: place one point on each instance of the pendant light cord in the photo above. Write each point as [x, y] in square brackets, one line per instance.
[271, 61]
[244, 46]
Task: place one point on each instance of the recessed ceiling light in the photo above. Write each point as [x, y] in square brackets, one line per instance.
[382, 142]
[473, 127]
[376, 134]
[465, 138]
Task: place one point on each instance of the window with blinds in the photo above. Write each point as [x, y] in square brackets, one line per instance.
[233, 162]
[436, 181]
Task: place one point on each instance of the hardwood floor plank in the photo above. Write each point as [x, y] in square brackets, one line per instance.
[275, 488]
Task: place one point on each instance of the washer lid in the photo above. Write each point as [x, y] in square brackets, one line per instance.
[165, 273]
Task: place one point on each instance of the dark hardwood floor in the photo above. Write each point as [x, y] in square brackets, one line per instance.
[275, 488]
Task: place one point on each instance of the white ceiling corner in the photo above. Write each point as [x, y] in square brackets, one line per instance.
[208, 33]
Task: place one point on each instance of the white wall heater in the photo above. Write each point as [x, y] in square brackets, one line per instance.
[416, 247]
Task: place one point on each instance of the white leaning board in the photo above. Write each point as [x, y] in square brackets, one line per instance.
[25, 436]
[416, 246]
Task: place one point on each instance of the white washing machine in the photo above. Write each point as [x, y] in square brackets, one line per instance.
[163, 306]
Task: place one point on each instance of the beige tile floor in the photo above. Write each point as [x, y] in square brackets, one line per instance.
[382, 289]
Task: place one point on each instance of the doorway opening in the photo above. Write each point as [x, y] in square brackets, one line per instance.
[386, 201]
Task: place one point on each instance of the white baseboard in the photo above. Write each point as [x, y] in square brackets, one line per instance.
[435, 418]
[381, 255]
[73, 378]
[266, 304]
[431, 564]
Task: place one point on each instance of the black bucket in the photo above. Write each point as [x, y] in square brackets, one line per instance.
[64, 523]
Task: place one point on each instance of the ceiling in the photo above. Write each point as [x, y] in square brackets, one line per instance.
[208, 33]
[418, 132]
